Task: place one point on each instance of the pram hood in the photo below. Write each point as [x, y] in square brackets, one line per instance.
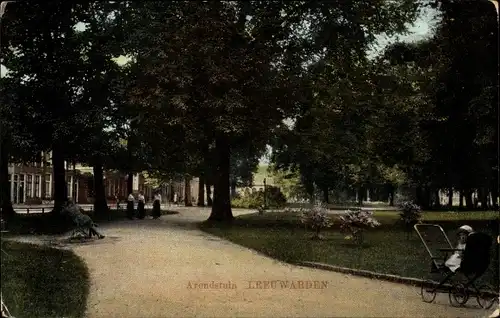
[476, 256]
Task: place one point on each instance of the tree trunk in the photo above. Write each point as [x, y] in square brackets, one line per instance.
[469, 203]
[221, 209]
[209, 194]
[391, 194]
[437, 202]
[130, 183]
[360, 195]
[5, 200]
[450, 197]
[43, 193]
[461, 199]
[426, 198]
[233, 189]
[483, 198]
[60, 188]
[100, 203]
[201, 190]
[494, 196]
[419, 197]
[187, 191]
[325, 195]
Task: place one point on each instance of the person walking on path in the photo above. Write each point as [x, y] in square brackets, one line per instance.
[141, 214]
[156, 206]
[130, 206]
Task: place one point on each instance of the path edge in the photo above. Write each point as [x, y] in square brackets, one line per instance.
[364, 273]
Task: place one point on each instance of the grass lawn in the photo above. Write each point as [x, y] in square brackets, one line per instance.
[43, 282]
[386, 248]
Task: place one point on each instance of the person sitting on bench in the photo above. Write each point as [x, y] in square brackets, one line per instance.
[80, 219]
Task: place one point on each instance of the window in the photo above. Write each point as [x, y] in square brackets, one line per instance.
[48, 185]
[37, 186]
[29, 186]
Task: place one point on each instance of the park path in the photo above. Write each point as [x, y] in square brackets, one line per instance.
[146, 268]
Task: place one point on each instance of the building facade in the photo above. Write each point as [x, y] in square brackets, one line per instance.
[34, 183]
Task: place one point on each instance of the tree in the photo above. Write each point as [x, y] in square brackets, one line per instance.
[215, 94]
[468, 52]
[75, 84]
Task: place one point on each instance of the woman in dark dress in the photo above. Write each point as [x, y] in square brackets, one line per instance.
[141, 213]
[156, 206]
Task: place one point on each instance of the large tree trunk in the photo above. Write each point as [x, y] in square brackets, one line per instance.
[325, 195]
[221, 208]
[100, 203]
[469, 203]
[60, 188]
[201, 190]
[187, 191]
[208, 186]
[5, 201]
[450, 197]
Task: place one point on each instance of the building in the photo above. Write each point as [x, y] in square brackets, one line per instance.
[33, 183]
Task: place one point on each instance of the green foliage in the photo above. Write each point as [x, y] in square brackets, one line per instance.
[254, 200]
[356, 222]
[289, 182]
[316, 219]
[410, 214]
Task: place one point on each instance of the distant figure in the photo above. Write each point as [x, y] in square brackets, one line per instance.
[175, 198]
[130, 206]
[141, 214]
[156, 206]
[80, 219]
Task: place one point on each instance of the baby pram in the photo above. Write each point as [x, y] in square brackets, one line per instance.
[475, 262]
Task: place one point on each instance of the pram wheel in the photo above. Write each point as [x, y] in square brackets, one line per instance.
[428, 291]
[458, 295]
[486, 296]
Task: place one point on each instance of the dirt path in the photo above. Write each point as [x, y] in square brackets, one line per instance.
[150, 268]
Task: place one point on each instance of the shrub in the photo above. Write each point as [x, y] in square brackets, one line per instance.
[317, 219]
[255, 200]
[354, 222]
[410, 215]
